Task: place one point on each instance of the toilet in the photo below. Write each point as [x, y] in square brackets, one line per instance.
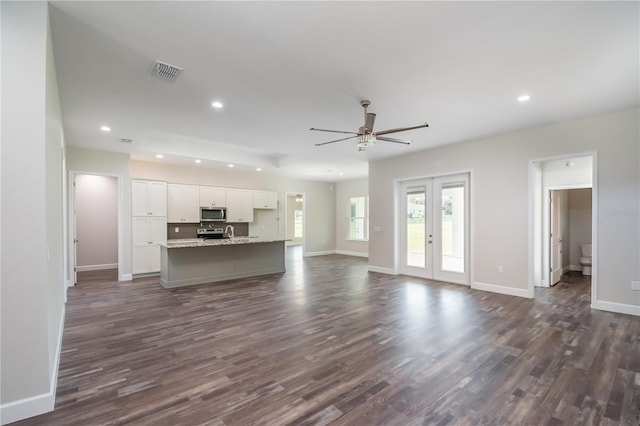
[585, 260]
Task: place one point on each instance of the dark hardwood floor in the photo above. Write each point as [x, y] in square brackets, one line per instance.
[329, 343]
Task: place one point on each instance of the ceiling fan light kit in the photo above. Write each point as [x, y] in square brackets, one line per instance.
[365, 136]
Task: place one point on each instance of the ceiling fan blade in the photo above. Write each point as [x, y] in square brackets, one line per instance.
[394, 140]
[333, 131]
[401, 129]
[337, 140]
[369, 120]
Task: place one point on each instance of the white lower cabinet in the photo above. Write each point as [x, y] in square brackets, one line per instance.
[146, 234]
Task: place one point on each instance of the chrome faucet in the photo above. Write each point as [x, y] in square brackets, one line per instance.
[229, 231]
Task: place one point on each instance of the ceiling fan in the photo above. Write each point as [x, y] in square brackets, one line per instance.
[365, 136]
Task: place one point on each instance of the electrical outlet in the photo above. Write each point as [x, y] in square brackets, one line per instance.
[176, 229]
[635, 285]
[500, 269]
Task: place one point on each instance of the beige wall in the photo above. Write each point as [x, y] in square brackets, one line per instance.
[320, 200]
[499, 168]
[32, 290]
[344, 190]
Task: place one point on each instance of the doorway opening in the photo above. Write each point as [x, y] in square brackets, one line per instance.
[94, 227]
[295, 220]
[563, 227]
[433, 228]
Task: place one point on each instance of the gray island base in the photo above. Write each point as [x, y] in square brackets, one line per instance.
[192, 262]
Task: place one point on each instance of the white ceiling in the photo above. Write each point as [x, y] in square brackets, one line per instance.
[283, 67]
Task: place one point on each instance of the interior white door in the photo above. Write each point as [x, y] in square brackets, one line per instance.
[434, 228]
[75, 242]
[556, 238]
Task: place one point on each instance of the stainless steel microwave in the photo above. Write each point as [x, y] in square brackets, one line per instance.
[216, 214]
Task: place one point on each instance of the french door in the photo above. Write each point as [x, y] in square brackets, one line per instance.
[434, 228]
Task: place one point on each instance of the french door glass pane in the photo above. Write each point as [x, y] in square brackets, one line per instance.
[453, 227]
[416, 212]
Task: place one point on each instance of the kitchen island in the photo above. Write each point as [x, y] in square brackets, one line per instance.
[197, 261]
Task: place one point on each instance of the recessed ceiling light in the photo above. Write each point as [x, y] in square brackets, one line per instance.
[231, 165]
[159, 156]
[198, 161]
[105, 128]
[216, 104]
[523, 98]
[341, 174]
[258, 169]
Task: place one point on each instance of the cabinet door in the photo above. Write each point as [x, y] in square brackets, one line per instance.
[139, 198]
[157, 198]
[211, 196]
[148, 198]
[183, 204]
[140, 244]
[239, 205]
[265, 200]
[157, 230]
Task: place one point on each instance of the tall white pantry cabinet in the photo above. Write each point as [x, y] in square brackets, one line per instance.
[148, 224]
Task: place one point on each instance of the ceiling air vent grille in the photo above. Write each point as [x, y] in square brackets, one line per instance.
[165, 71]
[126, 140]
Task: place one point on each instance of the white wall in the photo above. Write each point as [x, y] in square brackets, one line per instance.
[110, 164]
[579, 224]
[96, 206]
[345, 190]
[500, 201]
[32, 290]
[320, 200]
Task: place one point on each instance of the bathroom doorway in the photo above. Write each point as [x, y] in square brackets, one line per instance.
[563, 197]
[570, 217]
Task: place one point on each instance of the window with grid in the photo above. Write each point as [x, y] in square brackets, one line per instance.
[358, 218]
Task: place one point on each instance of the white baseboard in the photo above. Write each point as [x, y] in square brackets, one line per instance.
[319, 253]
[39, 404]
[98, 267]
[502, 289]
[620, 308]
[388, 271]
[352, 253]
[126, 277]
[575, 268]
[566, 269]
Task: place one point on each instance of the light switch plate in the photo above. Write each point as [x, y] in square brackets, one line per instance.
[176, 229]
[635, 285]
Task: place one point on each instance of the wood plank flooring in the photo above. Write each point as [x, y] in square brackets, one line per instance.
[329, 343]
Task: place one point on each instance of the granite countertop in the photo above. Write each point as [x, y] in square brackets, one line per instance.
[200, 242]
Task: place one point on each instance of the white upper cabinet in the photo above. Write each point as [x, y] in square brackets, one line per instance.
[211, 196]
[148, 198]
[239, 205]
[183, 203]
[265, 200]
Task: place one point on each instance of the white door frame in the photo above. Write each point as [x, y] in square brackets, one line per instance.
[72, 219]
[539, 265]
[304, 217]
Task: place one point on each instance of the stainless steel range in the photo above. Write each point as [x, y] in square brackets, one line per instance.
[211, 233]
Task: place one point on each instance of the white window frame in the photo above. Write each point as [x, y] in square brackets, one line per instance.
[365, 218]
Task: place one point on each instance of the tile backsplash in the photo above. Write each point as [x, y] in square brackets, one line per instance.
[188, 230]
